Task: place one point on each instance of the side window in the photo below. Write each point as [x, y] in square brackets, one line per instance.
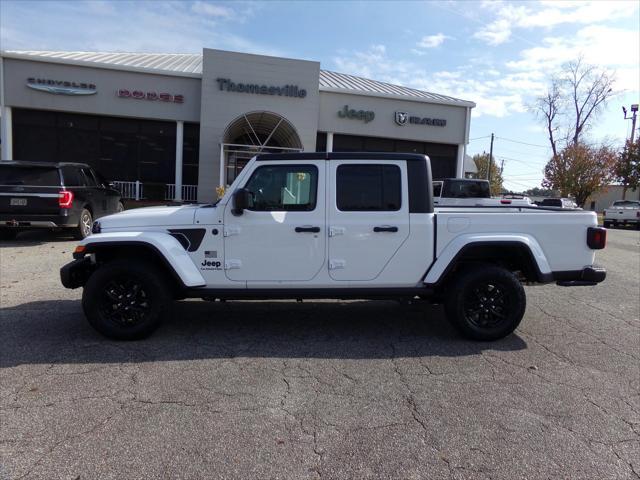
[367, 188]
[437, 189]
[89, 180]
[283, 188]
[72, 177]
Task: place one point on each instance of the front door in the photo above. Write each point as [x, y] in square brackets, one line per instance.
[281, 237]
[368, 216]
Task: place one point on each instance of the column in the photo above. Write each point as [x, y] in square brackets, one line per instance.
[179, 147]
[6, 134]
[329, 141]
[460, 162]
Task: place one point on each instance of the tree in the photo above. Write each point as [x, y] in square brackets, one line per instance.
[627, 167]
[579, 170]
[575, 97]
[482, 164]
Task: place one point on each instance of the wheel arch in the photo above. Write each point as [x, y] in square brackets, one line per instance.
[159, 248]
[514, 255]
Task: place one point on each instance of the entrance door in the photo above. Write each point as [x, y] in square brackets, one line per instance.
[281, 237]
[368, 216]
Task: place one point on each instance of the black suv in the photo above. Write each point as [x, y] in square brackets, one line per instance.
[53, 195]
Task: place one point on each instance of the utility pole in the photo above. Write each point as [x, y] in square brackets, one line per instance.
[634, 111]
[490, 162]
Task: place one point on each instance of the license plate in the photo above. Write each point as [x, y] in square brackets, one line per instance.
[18, 202]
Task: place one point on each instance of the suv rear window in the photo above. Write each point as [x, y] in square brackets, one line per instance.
[465, 189]
[29, 176]
[626, 203]
[551, 202]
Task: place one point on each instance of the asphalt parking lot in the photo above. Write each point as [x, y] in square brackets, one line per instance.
[320, 389]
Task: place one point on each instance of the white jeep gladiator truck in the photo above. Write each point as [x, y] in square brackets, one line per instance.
[331, 225]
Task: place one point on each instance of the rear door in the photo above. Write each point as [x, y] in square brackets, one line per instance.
[96, 194]
[29, 190]
[368, 216]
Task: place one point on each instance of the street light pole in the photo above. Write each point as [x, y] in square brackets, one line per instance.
[490, 161]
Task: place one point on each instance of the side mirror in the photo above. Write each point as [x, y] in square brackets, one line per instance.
[241, 200]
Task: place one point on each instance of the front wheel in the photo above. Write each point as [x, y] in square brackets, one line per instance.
[485, 303]
[126, 300]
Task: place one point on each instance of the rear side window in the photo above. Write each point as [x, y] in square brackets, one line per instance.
[72, 177]
[465, 189]
[32, 176]
[437, 189]
[88, 178]
[368, 188]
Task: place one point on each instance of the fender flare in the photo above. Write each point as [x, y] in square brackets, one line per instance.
[175, 257]
[457, 247]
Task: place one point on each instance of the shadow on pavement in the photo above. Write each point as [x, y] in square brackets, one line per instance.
[33, 238]
[56, 331]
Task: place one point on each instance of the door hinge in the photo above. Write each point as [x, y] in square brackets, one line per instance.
[337, 264]
[232, 230]
[232, 264]
[335, 231]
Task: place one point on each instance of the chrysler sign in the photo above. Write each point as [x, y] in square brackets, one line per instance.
[402, 118]
[61, 87]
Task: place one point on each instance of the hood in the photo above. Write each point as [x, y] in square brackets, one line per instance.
[151, 217]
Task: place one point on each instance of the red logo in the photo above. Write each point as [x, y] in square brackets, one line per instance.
[152, 96]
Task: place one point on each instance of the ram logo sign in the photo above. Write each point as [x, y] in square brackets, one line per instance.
[401, 118]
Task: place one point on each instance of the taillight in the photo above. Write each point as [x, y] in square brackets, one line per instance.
[596, 238]
[505, 202]
[65, 199]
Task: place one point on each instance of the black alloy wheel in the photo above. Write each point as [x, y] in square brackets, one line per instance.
[485, 302]
[125, 302]
[127, 299]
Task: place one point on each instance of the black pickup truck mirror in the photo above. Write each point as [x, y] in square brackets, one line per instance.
[241, 200]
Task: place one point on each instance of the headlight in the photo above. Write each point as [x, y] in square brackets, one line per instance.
[96, 228]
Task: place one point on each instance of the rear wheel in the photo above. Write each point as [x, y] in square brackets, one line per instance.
[485, 303]
[126, 299]
[607, 224]
[83, 230]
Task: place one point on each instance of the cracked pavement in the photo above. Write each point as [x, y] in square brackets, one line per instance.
[322, 389]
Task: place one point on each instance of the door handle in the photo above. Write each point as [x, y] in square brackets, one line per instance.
[307, 229]
[385, 229]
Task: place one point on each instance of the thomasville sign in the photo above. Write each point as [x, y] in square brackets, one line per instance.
[226, 84]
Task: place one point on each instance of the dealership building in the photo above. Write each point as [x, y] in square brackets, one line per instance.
[188, 123]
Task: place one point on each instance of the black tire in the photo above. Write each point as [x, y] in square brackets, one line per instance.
[120, 207]
[485, 302]
[120, 281]
[83, 230]
[6, 234]
[606, 224]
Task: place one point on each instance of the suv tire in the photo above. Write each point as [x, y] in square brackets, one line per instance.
[485, 302]
[126, 299]
[83, 230]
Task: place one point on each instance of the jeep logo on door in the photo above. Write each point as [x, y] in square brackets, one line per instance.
[401, 118]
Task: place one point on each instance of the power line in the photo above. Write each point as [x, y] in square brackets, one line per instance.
[479, 138]
[524, 143]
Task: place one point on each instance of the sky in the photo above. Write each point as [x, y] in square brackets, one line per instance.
[499, 55]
